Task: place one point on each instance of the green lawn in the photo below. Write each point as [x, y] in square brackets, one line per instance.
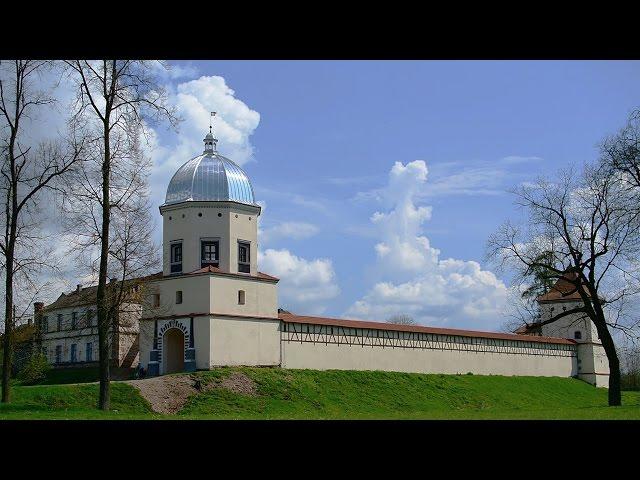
[311, 394]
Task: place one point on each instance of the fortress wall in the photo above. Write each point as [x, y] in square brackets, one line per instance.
[404, 352]
[244, 341]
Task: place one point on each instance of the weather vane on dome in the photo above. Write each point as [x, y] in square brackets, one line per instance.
[210, 141]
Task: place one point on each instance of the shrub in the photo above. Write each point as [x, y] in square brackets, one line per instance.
[35, 370]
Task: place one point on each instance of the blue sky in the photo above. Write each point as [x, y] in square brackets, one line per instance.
[382, 180]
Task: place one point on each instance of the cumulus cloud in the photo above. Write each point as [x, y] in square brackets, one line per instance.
[305, 285]
[435, 291]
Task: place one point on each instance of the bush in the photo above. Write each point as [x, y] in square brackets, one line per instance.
[35, 370]
[630, 381]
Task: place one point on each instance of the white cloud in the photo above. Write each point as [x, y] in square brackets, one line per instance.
[288, 230]
[305, 285]
[435, 291]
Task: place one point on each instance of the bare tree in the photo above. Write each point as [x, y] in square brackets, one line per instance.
[585, 220]
[621, 152]
[25, 173]
[401, 319]
[116, 101]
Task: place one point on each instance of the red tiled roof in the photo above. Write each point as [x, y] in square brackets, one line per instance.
[563, 290]
[290, 318]
[218, 271]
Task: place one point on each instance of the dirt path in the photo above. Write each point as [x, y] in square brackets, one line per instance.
[166, 394]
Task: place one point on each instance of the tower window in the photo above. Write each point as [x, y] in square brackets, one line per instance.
[156, 300]
[179, 296]
[209, 253]
[241, 297]
[577, 335]
[176, 257]
[243, 257]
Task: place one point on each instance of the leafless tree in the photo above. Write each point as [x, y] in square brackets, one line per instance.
[401, 319]
[621, 153]
[25, 174]
[116, 102]
[585, 220]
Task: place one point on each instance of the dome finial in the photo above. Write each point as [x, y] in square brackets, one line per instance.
[210, 143]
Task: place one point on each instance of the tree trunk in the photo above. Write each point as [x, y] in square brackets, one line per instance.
[615, 396]
[8, 330]
[9, 268]
[102, 300]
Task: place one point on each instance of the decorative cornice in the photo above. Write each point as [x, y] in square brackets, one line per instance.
[224, 204]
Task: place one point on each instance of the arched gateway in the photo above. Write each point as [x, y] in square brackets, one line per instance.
[173, 347]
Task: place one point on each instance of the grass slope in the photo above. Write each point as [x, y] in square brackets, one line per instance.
[73, 402]
[311, 394]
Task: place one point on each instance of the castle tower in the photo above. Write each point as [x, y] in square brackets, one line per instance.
[592, 363]
[210, 217]
[211, 306]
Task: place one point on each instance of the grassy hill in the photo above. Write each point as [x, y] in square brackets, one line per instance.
[270, 393]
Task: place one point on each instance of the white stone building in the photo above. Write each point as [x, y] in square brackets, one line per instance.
[212, 307]
[68, 331]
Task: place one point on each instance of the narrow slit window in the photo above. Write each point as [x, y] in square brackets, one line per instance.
[179, 296]
[241, 297]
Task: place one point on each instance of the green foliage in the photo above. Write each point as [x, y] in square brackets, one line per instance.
[542, 278]
[35, 369]
[630, 381]
[57, 376]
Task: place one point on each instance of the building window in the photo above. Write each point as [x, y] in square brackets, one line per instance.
[90, 317]
[179, 296]
[577, 335]
[176, 257]
[74, 351]
[243, 257]
[59, 322]
[240, 297]
[58, 353]
[89, 352]
[44, 325]
[74, 320]
[209, 253]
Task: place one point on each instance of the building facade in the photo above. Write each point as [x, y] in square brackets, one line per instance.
[67, 332]
[212, 306]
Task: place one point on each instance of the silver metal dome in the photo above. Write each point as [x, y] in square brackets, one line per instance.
[210, 177]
